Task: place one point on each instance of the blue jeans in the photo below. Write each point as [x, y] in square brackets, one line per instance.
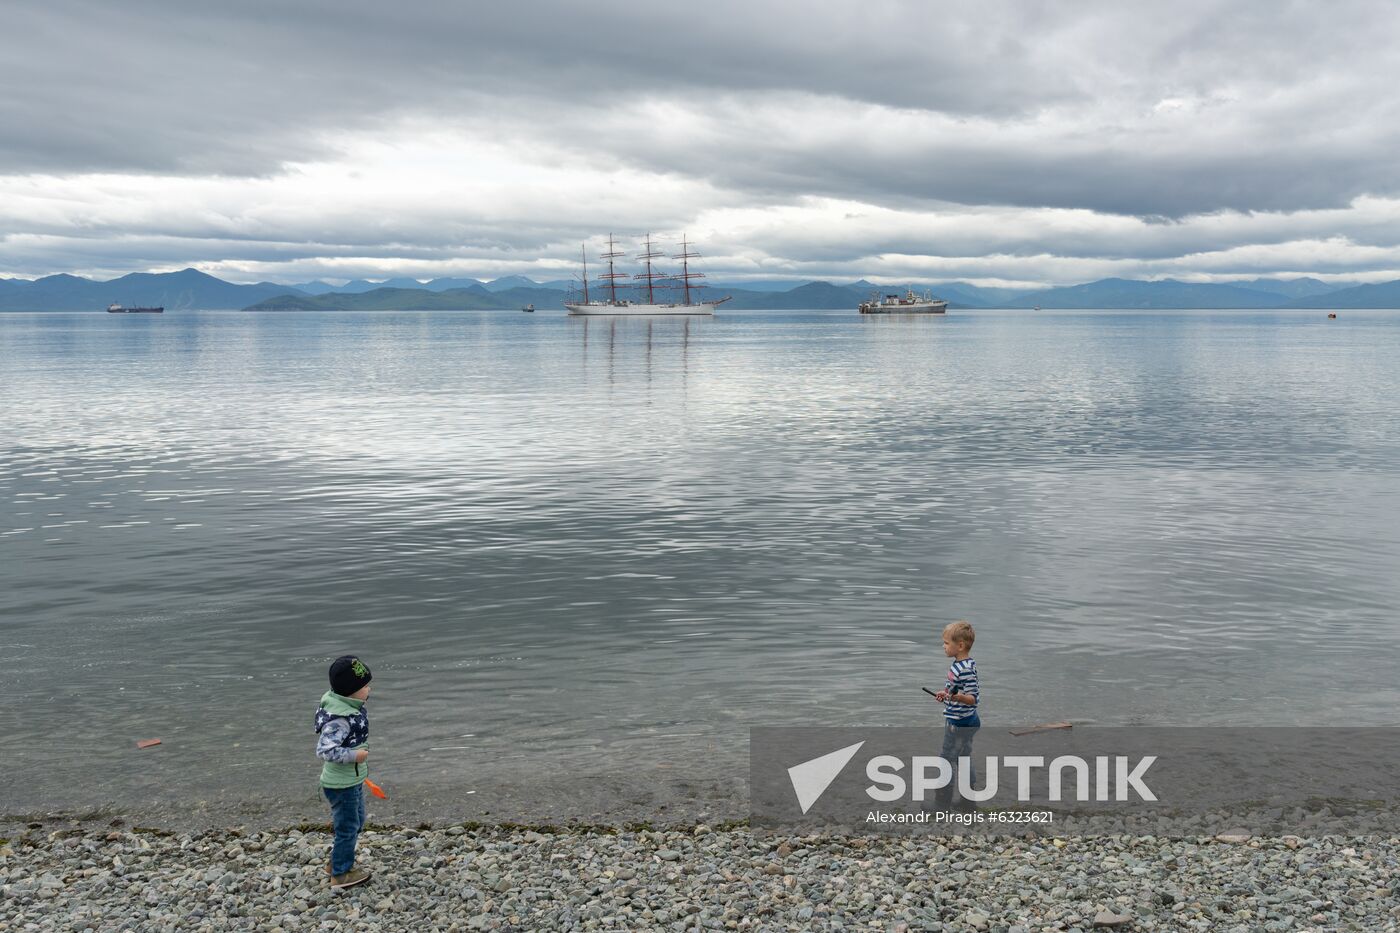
[957, 742]
[348, 818]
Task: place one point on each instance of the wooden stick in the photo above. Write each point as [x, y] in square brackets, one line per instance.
[1043, 727]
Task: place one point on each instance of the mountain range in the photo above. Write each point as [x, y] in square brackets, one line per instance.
[359, 286]
[190, 289]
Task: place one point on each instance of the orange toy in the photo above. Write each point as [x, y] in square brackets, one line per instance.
[376, 790]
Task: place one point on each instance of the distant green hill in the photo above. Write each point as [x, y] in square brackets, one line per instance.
[416, 299]
[813, 295]
[188, 288]
[820, 296]
[1292, 288]
[319, 287]
[1379, 295]
[1132, 294]
[506, 283]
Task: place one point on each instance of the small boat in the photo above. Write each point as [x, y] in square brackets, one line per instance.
[528, 309]
[909, 303]
[1331, 315]
[118, 309]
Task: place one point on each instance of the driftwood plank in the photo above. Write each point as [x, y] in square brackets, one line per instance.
[1043, 727]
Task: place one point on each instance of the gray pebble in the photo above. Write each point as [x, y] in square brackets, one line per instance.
[697, 878]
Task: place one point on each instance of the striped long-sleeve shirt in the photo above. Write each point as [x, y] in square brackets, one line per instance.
[962, 678]
[330, 742]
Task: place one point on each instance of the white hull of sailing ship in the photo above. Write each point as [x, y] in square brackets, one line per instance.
[627, 307]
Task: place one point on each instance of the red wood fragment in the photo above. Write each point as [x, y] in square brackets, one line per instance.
[147, 743]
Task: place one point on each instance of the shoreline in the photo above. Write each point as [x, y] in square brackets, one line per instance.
[590, 799]
[77, 875]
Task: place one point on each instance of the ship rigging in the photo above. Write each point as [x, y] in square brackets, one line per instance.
[650, 282]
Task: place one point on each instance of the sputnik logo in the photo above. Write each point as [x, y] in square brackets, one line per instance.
[810, 779]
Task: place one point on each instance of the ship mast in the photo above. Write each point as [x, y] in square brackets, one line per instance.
[650, 276]
[612, 276]
[583, 252]
[686, 275]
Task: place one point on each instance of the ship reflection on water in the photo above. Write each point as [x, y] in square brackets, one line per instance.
[638, 345]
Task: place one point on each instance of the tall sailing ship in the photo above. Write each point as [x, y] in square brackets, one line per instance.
[651, 283]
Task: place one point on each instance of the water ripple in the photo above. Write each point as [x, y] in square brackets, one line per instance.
[574, 540]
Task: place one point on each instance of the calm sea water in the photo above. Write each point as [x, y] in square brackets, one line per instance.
[582, 557]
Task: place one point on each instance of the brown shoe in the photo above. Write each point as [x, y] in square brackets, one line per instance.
[351, 878]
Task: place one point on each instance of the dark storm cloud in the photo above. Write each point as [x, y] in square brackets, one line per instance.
[1036, 140]
[1288, 175]
[159, 85]
[1297, 111]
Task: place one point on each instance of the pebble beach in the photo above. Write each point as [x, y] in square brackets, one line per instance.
[76, 876]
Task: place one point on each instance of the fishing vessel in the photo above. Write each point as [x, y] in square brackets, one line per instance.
[908, 303]
[651, 281]
[118, 309]
[528, 309]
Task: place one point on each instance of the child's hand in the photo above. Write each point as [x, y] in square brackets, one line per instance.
[360, 756]
[941, 696]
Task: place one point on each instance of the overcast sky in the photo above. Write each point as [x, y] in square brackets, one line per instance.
[1002, 143]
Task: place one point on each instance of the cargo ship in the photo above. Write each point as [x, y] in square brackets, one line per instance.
[652, 282]
[908, 303]
[118, 309]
